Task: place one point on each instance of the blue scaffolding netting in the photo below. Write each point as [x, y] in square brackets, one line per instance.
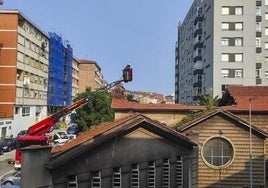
[60, 72]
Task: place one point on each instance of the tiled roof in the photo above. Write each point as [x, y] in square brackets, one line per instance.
[208, 114]
[119, 104]
[257, 96]
[105, 132]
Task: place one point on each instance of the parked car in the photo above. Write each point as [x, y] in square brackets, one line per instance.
[8, 144]
[12, 178]
[22, 132]
[72, 129]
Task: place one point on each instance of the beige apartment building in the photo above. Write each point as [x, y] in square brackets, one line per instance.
[24, 61]
[221, 43]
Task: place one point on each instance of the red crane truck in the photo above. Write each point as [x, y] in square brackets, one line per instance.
[36, 134]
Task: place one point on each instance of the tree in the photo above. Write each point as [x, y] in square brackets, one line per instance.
[209, 102]
[98, 110]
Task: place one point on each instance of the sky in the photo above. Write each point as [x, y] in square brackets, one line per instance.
[115, 33]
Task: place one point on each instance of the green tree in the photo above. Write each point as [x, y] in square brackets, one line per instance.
[97, 111]
[209, 102]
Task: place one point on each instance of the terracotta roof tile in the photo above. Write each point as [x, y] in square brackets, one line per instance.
[119, 104]
[91, 133]
[257, 96]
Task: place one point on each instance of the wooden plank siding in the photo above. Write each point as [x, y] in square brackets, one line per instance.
[237, 172]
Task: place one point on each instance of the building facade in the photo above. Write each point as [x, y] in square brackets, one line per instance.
[75, 77]
[221, 43]
[24, 61]
[90, 76]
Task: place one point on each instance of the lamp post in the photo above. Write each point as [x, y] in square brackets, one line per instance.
[250, 144]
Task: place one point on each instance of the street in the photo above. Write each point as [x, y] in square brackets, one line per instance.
[4, 165]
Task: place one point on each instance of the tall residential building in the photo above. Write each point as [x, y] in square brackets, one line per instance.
[221, 43]
[75, 77]
[60, 73]
[90, 75]
[24, 54]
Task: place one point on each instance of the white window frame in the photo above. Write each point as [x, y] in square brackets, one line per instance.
[179, 172]
[135, 176]
[166, 174]
[72, 181]
[238, 57]
[258, 26]
[96, 179]
[239, 26]
[239, 41]
[266, 31]
[225, 25]
[258, 42]
[225, 41]
[224, 73]
[151, 175]
[238, 10]
[238, 73]
[26, 111]
[117, 178]
[225, 10]
[225, 57]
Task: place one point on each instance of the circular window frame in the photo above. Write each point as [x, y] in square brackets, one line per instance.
[228, 163]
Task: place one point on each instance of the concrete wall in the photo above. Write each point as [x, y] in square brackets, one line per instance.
[33, 171]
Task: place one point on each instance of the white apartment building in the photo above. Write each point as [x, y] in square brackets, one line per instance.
[221, 43]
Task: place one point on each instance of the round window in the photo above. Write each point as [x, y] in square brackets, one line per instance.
[217, 152]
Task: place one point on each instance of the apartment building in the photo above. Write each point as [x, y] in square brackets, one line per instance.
[221, 43]
[75, 77]
[90, 75]
[24, 61]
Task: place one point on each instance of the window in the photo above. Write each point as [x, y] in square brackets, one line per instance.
[179, 172]
[135, 176]
[151, 175]
[266, 16]
[266, 74]
[238, 57]
[258, 42]
[225, 26]
[225, 10]
[72, 181]
[96, 179]
[225, 57]
[258, 26]
[26, 111]
[225, 73]
[117, 178]
[238, 26]
[266, 31]
[266, 45]
[166, 174]
[238, 41]
[258, 72]
[238, 73]
[258, 11]
[225, 41]
[238, 10]
[217, 152]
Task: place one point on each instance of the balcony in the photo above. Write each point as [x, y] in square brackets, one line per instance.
[197, 84]
[198, 71]
[198, 32]
[258, 34]
[258, 3]
[258, 66]
[258, 80]
[197, 57]
[199, 44]
[258, 18]
[258, 49]
[199, 18]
